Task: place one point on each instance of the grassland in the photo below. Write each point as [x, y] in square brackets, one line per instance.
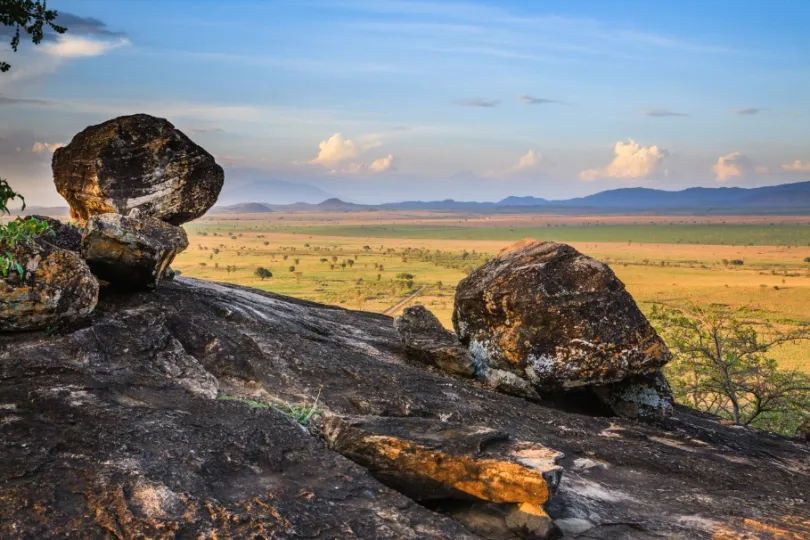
[362, 262]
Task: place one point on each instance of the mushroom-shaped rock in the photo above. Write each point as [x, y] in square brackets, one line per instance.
[427, 341]
[137, 161]
[131, 251]
[56, 288]
[555, 317]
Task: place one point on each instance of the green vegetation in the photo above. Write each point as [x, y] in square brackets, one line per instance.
[711, 234]
[16, 232]
[29, 16]
[301, 413]
[723, 366]
[263, 273]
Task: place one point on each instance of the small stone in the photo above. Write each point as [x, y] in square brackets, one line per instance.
[141, 162]
[644, 397]
[61, 235]
[131, 252]
[427, 341]
[57, 288]
[531, 522]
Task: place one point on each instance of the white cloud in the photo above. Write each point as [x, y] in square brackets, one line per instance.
[382, 165]
[40, 147]
[529, 161]
[336, 149]
[73, 46]
[797, 166]
[732, 165]
[632, 161]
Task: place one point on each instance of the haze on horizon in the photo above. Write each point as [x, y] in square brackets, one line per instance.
[399, 100]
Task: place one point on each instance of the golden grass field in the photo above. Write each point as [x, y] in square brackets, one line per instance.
[774, 280]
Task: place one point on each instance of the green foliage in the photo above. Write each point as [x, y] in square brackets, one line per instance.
[404, 275]
[7, 194]
[722, 366]
[29, 16]
[263, 273]
[291, 268]
[300, 412]
[18, 232]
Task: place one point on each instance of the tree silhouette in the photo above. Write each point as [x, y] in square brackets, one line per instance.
[30, 17]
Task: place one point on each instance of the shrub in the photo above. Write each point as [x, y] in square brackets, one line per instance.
[263, 273]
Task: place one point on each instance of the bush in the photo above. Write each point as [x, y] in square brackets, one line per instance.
[263, 273]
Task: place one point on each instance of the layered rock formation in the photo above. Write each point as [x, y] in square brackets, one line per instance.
[141, 162]
[131, 251]
[111, 429]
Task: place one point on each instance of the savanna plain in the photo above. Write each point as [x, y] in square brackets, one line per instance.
[384, 261]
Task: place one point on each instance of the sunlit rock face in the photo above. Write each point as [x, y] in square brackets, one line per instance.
[137, 161]
[131, 251]
[56, 288]
[555, 317]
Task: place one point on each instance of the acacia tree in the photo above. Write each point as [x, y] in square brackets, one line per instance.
[31, 17]
[722, 366]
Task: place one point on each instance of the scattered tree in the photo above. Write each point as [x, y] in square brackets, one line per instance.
[263, 273]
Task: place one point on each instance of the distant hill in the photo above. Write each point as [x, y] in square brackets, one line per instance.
[522, 201]
[270, 192]
[242, 208]
[336, 205]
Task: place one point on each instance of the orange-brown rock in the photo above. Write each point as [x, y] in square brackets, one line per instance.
[131, 251]
[429, 459]
[427, 341]
[555, 318]
[56, 288]
[141, 162]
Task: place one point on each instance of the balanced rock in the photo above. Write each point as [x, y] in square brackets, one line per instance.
[137, 161]
[56, 288]
[131, 251]
[556, 318]
[426, 340]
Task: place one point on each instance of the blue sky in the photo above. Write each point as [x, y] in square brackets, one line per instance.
[378, 100]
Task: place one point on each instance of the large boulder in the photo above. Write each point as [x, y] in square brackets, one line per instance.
[56, 288]
[131, 251]
[556, 318]
[137, 161]
[427, 341]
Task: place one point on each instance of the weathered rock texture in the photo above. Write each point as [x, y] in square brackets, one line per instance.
[137, 161]
[57, 289]
[556, 318]
[131, 252]
[61, 235]
[427, 341]
[108, 430]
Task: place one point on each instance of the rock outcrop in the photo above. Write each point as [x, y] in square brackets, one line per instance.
[56, 288]
[131, 251]
[427, 341]
[555, 318]
[61, 235]
[109, 429]
[137, 161]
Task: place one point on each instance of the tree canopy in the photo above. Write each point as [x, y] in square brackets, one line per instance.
[27, 17]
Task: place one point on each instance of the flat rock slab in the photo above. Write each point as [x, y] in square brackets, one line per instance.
[429, 459]
[685, 477]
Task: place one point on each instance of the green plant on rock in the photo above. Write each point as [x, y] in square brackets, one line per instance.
[21, 231]
[300, 412]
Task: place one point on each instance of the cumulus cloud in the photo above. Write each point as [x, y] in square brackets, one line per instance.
[661, 113]
[336, 149]
[478, 102]
[383, 164]
[41, 147]
[531, 100]
[797, 166]
[529, 161]
[747, 112]
[732, 165]
[341, 156]
[632, 161]
[75, 46]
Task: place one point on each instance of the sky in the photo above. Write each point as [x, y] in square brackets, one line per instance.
[380, 100]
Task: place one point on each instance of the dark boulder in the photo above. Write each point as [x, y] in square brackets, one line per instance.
[56, 288]
[62, 235]
[131, 251]
[556, 318]
[137, 161]
[427, 341]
